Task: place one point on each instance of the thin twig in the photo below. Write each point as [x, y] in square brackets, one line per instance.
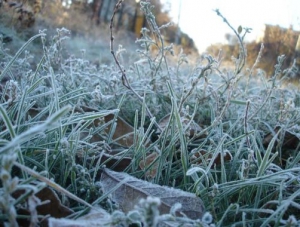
[242, 64]
[124, 77]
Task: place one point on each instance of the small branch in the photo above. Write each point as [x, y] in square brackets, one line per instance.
[124, 77]
[125, 81]
[241, 64]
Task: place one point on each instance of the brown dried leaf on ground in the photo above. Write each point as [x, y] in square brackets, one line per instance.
[288, 142]
[148, 163]
[123, 133]
[289, 139]
[189, 125]
[202, 156]
[131, 190]
[115, 161]
[50, 205]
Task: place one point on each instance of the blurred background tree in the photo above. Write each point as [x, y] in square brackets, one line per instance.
[277, 41]
[86, 17]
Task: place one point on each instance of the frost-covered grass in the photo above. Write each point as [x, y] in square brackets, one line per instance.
[242, 180]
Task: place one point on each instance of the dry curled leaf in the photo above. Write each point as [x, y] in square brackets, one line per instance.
[189, 125]
[123, 133]
[131, 190]
[115, 161]
[289, 139]
[288, 142]
[48, 204]
[202, 156]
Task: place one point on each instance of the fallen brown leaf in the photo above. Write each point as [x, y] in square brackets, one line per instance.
[288, 142]
[201, 156]
[132, 190]
[144, 164]
[190, 125]
[290, 139]
[50, 206]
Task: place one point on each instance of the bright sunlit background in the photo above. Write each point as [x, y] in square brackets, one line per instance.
[202, 24]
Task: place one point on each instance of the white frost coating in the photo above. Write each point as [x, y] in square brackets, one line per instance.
[194, 170]
[135, 191]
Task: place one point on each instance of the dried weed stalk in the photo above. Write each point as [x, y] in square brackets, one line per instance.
[125, 81]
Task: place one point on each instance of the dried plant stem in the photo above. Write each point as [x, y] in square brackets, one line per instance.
[246, 123]
[124, 77]
[240, 39]
[254, 65]
[276, 75]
